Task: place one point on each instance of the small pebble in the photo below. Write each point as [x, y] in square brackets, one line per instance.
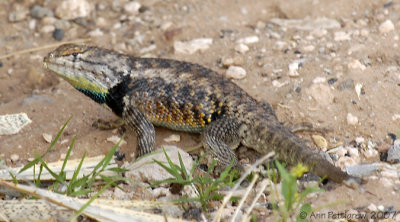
[173, 138]
[351, 119]
[278, 84]
[47, 29]
[342, 36]
[96, 33]
[386, 182]
[293, 67]
[320, 141]
[132, 7]
[394, 153]
[372, 207]
[115, 139]
[248, 40]
[58, 34]
[73, 9]
[236, 72]
[39, 12]
[280, 45]
[242, 48]
[381, 208]
[386, 26]
[1, 64]
[331, 81]
[18, 15]
[346, 84]
[355, 64]
[47, 137]
[14, 158]
[192, 46]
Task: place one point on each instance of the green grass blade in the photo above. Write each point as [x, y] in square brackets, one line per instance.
[68, 153]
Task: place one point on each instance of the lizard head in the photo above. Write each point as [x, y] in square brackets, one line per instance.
[84, 67]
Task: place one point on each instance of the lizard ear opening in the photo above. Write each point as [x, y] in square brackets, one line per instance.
[99, 97]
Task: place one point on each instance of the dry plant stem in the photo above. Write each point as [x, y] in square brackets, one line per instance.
[249, 209]
[217, 217]
[43, 47]
[249, 188]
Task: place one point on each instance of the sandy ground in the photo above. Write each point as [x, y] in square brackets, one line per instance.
[359, 51]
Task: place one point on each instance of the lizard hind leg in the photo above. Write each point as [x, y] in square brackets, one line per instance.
[221, 137]
[142, 126]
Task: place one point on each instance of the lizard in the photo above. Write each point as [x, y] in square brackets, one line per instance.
[183, 96]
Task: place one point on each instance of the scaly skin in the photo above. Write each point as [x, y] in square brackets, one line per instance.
[185, 97]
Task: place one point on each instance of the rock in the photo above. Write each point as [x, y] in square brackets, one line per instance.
[146, 170]
[72, 9]
[242, 48]
[321, 93]
[58, 34]
[39, 12]
[13, 123]
[132, 7]
[342, 36]
[277, 84]
[226, 62]
[351, 119]
[47, 29]
[190, 47]
[96, 33]
[307, 24]
[394, 153]
[386, 26]
[47, 137]
[355, 64]
[293, 67]
[386, 182]
[371, 154]
[19, 14]
[372, 207]
[280, 45]
[361, 170]
[344, 162]
[308, 48]
[320, 141]
[248, 40]
[115, 139]
[236, 72]
[346, 84]
[173, 138]
[14, 157]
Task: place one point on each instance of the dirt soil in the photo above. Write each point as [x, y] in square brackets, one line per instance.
[332, 62]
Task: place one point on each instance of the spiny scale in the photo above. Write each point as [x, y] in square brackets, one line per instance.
[186, 97]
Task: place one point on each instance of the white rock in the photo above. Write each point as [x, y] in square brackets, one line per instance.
[353, 152]
[72, 9]
[278, 84]
[345, 161]
[242, 48]
[19, 14]
[190, 47]
[371, 154]
[96, 33]
[47, 29]
[145, 169]
[280, 45]
[115, 139]
[364, 32]
[372, 207]
[14, 158]
[173, 138]
[351, 119]
[236, 72]
[355, 64]
[386, 26]
[32, 24]
[342, 36]
[307, 24]
[132, 7]
[321, 93]
[394, 152]
[293, 67]
[160, 192]
[47, 137]
[319, 32]
[248, 40]
[308, 48]
[13, 123]
[341, 151]
[320, 79]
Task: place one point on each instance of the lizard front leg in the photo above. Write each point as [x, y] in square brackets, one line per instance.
[221, 137]
[142, 126]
